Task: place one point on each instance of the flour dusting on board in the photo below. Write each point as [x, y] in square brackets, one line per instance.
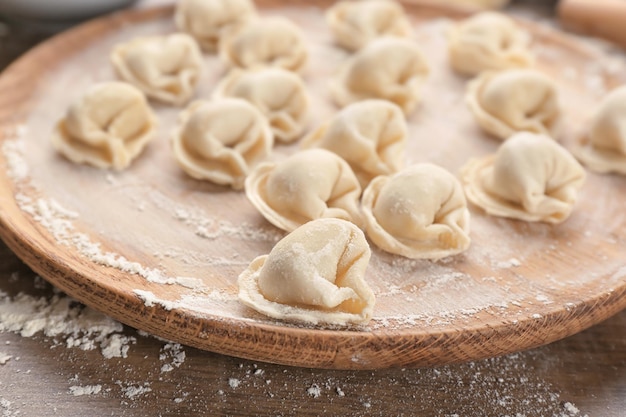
[161, 227]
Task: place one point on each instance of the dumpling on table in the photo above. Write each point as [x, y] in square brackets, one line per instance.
[305, 186]
[370, 135]
[208, 21]
[530, 177]
[221, 140]
[356, 23]
[604, 148]
[391, 69]
[279, 94]
[516, 100]
[107, 127]
[269, 42]
[419, 212]
[315, 274]
[488, 41]
[165, 68]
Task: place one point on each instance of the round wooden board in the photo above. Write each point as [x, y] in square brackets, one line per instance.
[162, 252]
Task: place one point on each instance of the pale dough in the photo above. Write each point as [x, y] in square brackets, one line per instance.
[315, 274]
[419, 213]
[370, 135]
[165, 68]
[392, 69]
[279, 94]
[531, 177]
[356, 23]
[268, 42]
[107, 127]
[221, 140]
[308, 185]
[515, 100]
[488, 41]
[210, 20]
[604, 148]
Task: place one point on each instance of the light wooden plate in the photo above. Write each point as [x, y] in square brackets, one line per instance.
[161, 252]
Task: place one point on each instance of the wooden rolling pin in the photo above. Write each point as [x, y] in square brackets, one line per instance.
[602, 18]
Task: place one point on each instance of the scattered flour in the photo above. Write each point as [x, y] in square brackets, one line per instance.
[65, 321]
[173, 352]
[78, 390]
[234, 382]
[314, 391]
[132, 391]
[4, 358]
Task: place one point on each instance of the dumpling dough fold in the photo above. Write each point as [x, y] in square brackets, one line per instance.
[165, 68]
[106, 127]
[370, 135]
[530, 177]
[356, 23]
[604, 148]
[419, 213]
[279, 94]
[221, 140]
[308, 185]
[313, 275]
[392, 69]
[208, 21]
[488, 41]
[268, 42]
[516, 100]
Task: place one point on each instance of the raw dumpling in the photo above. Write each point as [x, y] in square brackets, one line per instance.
[107, 127]
[279, 94]
[220, 140]
[488, 41]
[604, 149]
[420, 213]
[308, 185]
[269, 42]
[209, 20]
[392, 69]
[165, 68]
[370, 135]
[314, 274]
[531, 177]
[513, 101]
[356, 23]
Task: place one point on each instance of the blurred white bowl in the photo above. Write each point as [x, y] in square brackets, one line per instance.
[59, 10]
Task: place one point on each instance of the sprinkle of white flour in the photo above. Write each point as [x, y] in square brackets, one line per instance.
[314, 391]
[65, 321]
[233, 382]
[77, 390]
[4, 358]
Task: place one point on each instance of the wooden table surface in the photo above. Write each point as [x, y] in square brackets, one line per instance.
[76, 371]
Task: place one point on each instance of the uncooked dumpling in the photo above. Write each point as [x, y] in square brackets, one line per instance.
[165, 68]
[488, 41]
[269, 42]
[356, 23]
[315, 274]
[604, 148]
[420, 213]
[392, 69]
[279, 94]
[107, 127]
[531, 177]
[517, 100]
[210, 20]
[308, 185]
[221, 140]
[370, 135]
